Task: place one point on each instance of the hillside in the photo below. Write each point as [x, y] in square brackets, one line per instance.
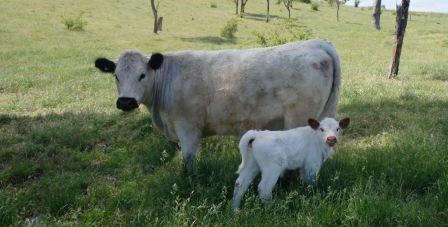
[69, 157]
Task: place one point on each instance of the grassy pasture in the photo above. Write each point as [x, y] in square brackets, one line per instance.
[68, 157]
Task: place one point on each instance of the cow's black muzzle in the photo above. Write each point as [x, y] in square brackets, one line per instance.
[126, 104]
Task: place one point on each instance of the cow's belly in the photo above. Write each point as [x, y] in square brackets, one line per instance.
[279, 109]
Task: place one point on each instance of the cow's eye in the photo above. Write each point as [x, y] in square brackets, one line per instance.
[116, 77]
[321, 129]
[141, 77]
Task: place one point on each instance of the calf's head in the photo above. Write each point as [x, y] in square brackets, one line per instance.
[329, 129]
[134, 75]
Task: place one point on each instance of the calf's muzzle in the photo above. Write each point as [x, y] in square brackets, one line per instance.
[331, 140]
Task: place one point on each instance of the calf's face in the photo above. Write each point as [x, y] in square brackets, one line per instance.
[134, 74]
[329, 129]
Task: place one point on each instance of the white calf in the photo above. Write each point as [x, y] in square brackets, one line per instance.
[273, 152]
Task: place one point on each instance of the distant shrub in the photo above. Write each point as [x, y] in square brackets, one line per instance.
[213, 5]
[305, 1]
[74, 23]
[283, 33]
[315, 6]
[229, 29]
[357, 3]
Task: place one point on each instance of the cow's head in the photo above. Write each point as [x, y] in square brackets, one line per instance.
[134, 74]
[329, 129]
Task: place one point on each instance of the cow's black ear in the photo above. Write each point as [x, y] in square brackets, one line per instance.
[313, 123]
[156, 61]
[105, 65]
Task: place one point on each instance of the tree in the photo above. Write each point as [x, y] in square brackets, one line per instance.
[357, 3]
[267, 13]
[157, 20]
[288, 5]
[376, 14]
[338, 4]
[243, 7]
[402, 21]
[236, 6]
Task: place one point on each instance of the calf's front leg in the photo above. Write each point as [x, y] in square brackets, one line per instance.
[310, 172]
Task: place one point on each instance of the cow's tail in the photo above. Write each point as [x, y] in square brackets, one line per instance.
[333, 99]
[245, 146]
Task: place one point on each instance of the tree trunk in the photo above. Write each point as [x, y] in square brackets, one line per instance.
[267, 14]
[243, 3]
[243, 7]
[402, 21]
[376, 16]
[337, 10]
[236, 7]
[159, 24]
[288, 6]
[156, 17]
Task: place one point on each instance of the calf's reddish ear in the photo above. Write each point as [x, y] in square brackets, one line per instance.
[314, 124]
[344, 123]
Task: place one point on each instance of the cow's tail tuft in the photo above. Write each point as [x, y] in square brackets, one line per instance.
[245, 146]
[330, 107]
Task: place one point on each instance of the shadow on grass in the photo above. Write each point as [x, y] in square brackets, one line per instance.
[394, 115]
[31, 144]
[413, 153]
[208, 39]
[75, 161]
[258, 16]
[354, 23]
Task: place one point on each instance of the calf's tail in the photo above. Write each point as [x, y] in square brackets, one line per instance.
[245, 148]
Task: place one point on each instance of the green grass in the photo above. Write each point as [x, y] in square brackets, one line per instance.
[68, 157]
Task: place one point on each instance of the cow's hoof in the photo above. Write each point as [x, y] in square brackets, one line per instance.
[189, 167]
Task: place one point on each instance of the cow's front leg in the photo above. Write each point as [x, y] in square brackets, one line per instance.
[189, 138]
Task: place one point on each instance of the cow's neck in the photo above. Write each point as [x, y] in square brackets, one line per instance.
[160, 93]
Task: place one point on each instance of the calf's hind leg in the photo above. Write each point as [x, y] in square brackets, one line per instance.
[246, 176]
[269, 177]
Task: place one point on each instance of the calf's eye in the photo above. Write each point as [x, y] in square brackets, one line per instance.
[141, 77]
[321, 129]
[338, 129]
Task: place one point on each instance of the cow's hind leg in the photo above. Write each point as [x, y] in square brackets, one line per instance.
[298, 115]
[294, 120]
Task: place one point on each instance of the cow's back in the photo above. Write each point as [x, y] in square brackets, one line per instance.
[264, 88]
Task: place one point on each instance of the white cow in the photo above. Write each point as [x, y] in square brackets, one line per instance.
[194, 94]
[273, 152]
